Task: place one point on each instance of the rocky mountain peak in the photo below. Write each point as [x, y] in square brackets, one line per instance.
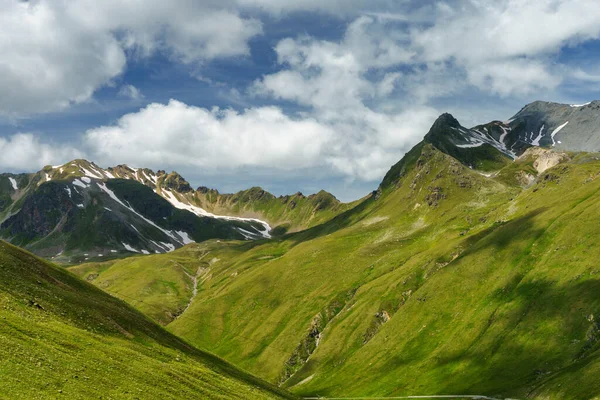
[174, 181]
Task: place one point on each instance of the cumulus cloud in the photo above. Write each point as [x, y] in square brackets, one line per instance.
[334, 7]
[217, 138]
[47, 61]
[332, 77]
[265, 137]
[507, 46]
[364, 99]
[55, 53]
[24, 151]
[130, 92]
[349, 125]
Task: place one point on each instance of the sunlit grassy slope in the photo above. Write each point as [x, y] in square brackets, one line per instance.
[63, 338]
[445, 281]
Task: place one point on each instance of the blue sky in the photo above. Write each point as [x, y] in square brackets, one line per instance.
[290, 96]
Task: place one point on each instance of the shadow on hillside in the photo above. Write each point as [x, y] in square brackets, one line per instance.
[535, 328]
[520, 348]
[502, 234]
[59, 295]
[335, 224]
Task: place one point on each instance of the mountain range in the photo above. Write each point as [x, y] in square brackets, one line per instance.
[471, 269]
[79, 211]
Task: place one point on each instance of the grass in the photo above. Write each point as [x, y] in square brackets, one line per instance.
[62, 337]
[285, 213]
[459, 282]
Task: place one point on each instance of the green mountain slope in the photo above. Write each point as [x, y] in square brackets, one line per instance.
[444, 281]
[285, 213]
[61, 337]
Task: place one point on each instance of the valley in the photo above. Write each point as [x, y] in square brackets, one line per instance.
[471, 269]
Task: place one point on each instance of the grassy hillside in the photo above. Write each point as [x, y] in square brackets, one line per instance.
[289, 213]
[445, 281]
[62, 337]
[165, 284]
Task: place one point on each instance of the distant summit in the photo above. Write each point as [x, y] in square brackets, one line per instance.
[571, 127]
[79, 211]
[567, 127]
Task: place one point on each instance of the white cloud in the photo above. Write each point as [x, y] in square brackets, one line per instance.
[365, 98]
[47, 61]
[130, 92]
[335, 7]
[25, 151]
[507, 77]
[55, 53]
[176, 134]
[331, 76]
[190, 31]
[506, 46]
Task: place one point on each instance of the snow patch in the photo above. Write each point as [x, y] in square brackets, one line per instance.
[145, 252]
[536, 141]
[476, 138]
[115, 198]
[80, 206]
[171, 198]
[503, 136]
[77, 182]
[150, 178]
[185, 237]
[470, 145]
[247, 234]
[86, 179]
[129, 248]
[170, 247]
[13, 182]
[554, 132]
[580, 105]
[89, 173]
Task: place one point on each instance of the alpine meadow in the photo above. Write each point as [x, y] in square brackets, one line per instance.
[371, 200]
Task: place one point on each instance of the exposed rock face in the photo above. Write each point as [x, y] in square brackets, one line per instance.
[544, 158]
[176, 182]
[476, 147]
[562, 126]
[42, 213]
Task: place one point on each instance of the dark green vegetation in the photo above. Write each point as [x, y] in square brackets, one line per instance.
[62, 337]
[79, 219]
[79, 212]
[443, 281]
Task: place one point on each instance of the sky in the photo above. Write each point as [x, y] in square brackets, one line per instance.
[289, 95]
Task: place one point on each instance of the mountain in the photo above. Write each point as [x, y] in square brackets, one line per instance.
[480, 147]
[563, 126]
[566, 127]
[79, 211]
[448, 279]
[290, 213]
[62, 337]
